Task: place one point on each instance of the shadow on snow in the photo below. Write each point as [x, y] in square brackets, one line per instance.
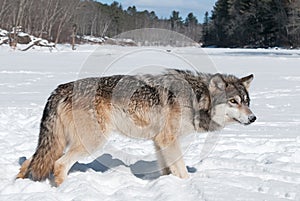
[146, 170]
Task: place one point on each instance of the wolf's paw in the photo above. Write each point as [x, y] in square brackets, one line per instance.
[182, 174]
[23, 170]
[20, 175]
[59, 175]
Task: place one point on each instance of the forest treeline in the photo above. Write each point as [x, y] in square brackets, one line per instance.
[57, 20]
[232, 23]
[253, 23]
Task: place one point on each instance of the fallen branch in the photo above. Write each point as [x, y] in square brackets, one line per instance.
[39, 43]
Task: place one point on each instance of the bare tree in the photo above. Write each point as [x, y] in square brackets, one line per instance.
[18, 13]
[4, 10]
[53, 19]
[68, 11]
[29, 18]
[74, 36]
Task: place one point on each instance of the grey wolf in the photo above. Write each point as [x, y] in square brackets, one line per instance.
[79, 116]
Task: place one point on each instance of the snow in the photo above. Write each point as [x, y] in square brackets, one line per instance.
[3, 36]
[3, 32]
[256, 162]
[33, 40]
[93, 39]
[111, 41]
[22, 34]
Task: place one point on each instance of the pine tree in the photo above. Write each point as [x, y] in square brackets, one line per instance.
[254, 23]
[176, 21]
[220, 18]
[205, 30]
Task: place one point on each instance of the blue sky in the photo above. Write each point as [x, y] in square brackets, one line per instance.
[163, 8]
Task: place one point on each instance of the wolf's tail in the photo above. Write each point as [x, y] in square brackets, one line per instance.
[51, 143]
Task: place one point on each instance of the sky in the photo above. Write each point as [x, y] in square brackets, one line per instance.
[164, 8]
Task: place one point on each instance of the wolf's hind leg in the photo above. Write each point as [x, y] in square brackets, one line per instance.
[86, 134]
[64, 163]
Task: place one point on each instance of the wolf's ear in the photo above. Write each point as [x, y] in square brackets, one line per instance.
[217, 83]
[247, 80]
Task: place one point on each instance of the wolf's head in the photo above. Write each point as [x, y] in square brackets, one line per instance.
[230, 99]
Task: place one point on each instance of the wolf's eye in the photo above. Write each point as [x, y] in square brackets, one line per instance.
[233, 101]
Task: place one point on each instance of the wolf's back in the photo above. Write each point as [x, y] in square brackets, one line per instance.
[51, 141]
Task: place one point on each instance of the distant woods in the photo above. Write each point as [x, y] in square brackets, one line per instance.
[232, 23]
[253, 23]
[58, 20]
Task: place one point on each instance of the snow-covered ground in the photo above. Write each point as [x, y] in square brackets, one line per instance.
[257, 162]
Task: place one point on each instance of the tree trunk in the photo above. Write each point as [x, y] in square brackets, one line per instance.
[74, 36]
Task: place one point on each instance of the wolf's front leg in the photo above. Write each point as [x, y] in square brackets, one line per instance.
[170, 152]
[165, 170]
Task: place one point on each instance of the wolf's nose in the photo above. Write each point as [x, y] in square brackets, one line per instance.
[252, 118]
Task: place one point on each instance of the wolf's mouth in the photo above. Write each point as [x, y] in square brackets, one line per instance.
[245, 124]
